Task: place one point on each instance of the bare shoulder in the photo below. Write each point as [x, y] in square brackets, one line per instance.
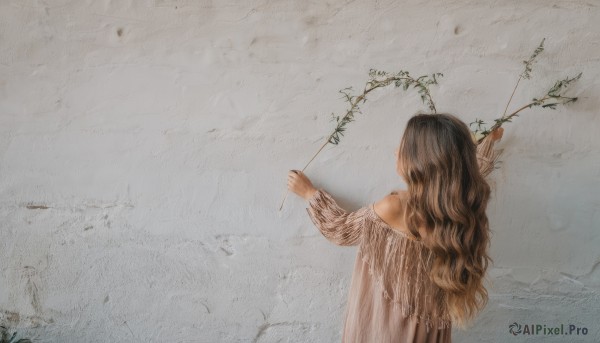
[392, 210]
[391, 207]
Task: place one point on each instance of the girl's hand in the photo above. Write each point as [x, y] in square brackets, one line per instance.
[497, 133]
[300, 184]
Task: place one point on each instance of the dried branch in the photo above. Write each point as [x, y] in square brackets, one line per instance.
[377, 79]
[402, 79]
[551, 99]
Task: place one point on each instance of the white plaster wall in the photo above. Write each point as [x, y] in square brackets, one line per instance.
[145, 145]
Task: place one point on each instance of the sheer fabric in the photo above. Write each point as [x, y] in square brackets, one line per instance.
[391, 298]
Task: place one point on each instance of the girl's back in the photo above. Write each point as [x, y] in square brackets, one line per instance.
[391, 298]
[422, 253]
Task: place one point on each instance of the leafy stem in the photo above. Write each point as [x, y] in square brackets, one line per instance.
[377, 79]
[525, 74]
[399, 79]
[550, 99]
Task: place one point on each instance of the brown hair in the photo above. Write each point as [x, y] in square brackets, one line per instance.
[448, 196]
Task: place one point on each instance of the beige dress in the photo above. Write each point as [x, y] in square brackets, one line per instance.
[391, 298]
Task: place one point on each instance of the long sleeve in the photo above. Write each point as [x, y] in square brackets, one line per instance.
[337, 225]
[487, 156]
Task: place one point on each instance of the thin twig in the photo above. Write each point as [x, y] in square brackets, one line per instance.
[401, 78]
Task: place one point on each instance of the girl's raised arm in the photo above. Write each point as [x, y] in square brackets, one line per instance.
[337, 225]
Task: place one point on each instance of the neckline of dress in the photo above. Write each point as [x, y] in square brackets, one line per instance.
[386, 225]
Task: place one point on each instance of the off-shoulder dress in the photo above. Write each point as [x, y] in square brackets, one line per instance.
[391, 298]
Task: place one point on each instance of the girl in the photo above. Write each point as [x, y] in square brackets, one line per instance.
[422, 254]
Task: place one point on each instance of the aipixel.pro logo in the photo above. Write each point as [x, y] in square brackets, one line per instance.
[545, 330]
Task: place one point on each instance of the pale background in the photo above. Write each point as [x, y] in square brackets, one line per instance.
[145, 145]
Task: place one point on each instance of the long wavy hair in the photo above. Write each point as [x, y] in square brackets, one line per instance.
[448, 196]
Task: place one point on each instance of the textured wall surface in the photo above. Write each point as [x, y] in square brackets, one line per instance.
[145, 145]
